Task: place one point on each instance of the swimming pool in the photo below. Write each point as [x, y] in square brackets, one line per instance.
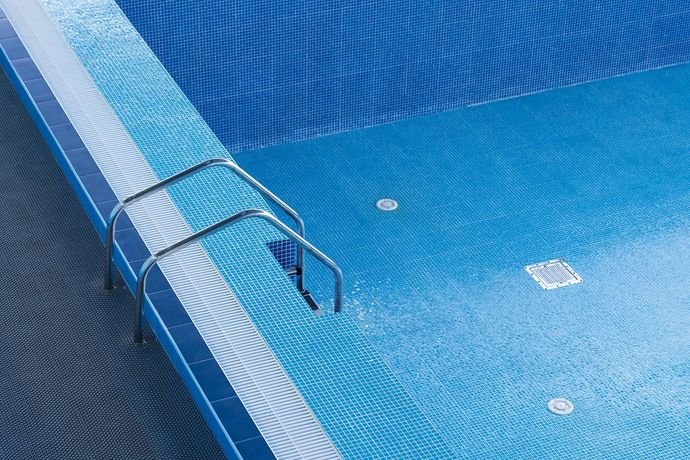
[447, 347]
[596, 174]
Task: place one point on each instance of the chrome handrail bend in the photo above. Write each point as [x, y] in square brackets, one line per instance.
[221, 162]
[242, 215]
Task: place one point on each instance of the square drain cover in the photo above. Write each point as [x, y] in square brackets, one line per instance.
[553, 274]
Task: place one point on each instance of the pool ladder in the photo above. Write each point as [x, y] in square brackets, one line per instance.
[297, 237]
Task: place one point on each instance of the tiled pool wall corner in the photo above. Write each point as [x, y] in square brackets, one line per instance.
[263, 73]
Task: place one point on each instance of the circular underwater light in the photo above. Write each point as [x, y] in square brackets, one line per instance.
[560, 406]
[387, 204]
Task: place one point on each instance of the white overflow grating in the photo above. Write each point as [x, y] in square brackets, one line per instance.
[553, 274]
[275, 405]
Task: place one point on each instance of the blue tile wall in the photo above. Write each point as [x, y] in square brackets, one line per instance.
[264, 72]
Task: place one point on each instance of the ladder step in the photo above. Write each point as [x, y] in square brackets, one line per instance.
[311, 302]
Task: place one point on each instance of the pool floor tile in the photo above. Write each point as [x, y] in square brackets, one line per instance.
[439, 285]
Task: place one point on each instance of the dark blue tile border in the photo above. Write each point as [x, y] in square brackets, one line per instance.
[6, 30]
[156, 281]
[26, 69]
[212, 380]
[230, 410]
[52, 113]
[170, 308]
[229, 420]
[38, 88]
[132, 245]
[104, 208]
[190, 343]
[14, 48]
[255, 448]
[67, 137]
[83, 165]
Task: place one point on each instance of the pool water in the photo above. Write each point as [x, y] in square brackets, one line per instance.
[597, 174]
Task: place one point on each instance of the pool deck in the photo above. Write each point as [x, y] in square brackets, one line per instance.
[597, 174]
[72, 385]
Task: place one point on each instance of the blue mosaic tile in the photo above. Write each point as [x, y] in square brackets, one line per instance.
[285, 252]
[597, 174]
[276, 72]
[376, 416]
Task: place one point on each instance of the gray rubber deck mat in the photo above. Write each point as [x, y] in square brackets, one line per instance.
[71, 385]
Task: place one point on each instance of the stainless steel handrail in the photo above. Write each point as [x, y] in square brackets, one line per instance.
[246, 214]
[222, 162]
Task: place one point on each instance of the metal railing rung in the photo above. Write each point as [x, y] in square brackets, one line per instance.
[240, 216]
[298, 237]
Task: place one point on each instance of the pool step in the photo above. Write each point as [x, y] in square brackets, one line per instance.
[310, 300]
[285, 252]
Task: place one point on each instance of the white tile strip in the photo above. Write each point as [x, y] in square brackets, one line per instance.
[279, 411]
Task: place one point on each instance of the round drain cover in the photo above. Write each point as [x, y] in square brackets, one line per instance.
[387, 204]
[560, 406]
